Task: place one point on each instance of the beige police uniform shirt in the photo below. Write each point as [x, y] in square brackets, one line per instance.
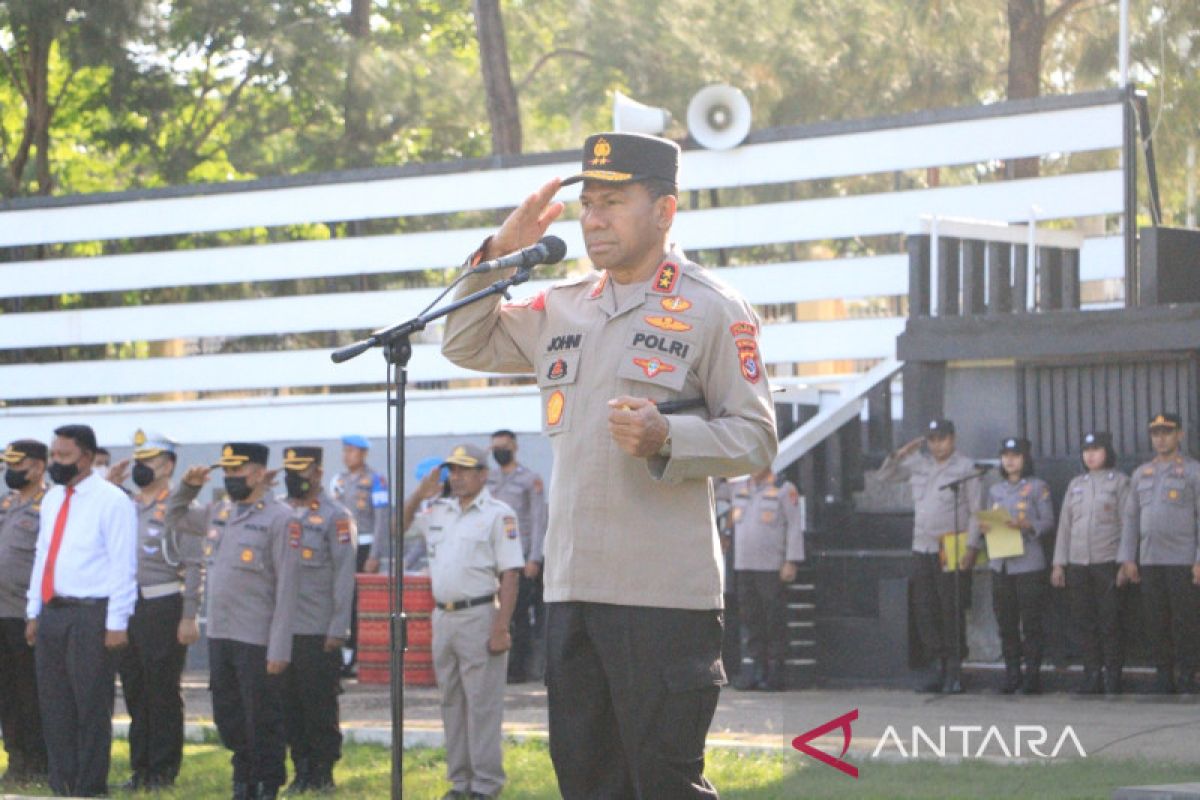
[934, 512]
[767, 526]
[1089, 526]
[19, 520]
[328, 546]
[165, 557]
[522, 490]
[625, 530]
[1161, 516]
[468, 547]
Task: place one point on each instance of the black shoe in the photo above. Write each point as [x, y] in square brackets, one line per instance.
[1112, 681]
[934, 681]
[1032, 681]
[748, 678]
[1012, 677]
[1187, 682]
[320, 779]
[1164, 682]
[1092, 683]
[135, 783]
[243, 791]
[266, 791]
[350, 671]
[953, 682]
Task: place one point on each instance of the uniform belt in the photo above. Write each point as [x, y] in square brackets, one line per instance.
[461, 604]
[160, 590]
[59, 601]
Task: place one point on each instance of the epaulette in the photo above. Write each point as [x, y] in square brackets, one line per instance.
[706, 277]
[587, 278]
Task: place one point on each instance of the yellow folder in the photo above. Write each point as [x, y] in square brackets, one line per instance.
[1003, 536]
[951, 549]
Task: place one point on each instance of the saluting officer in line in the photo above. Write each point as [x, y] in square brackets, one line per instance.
[522, 490]
[20, 510]
[164, 618]
[1160, 548]
[935, 515]
[252, 551]
[474, 557]
[1018, 582]
[1085, 561]
[321, 623]
[365, 492]
[768, 546]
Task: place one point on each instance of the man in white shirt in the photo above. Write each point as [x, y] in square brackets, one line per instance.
[81, 594]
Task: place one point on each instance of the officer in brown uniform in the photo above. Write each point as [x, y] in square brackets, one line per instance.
[474, 558]
[365, 492]
[521, 489]
[252, 551]
[321, 623]
[768, 546]
[20, 719]
[633, 563]
[164, 619]
[940, 612]
[1085, 561]
[1160, 548]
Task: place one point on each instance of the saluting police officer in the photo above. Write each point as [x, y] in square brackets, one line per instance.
[1085, 561]
[164, 618]
[633, 572]
[940, 597]
[365, 492]
[1160, 548]
[521, 489]
[20, 719]
[252, 551]
[474, 557]
[768, 546]
[321, 624]
[1018, 581]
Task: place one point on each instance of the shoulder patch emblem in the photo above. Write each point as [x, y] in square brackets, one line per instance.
[668, 323]
[538, 486]
[510, 527]
[743, 329]
[343, 530]
[653, 366]
[748, 357]
[675, 303]
[666, 278]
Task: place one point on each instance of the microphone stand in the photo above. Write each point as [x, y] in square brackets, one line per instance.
[956, 486]
[397, 350]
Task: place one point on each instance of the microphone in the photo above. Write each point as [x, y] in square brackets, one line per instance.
[550, 250]
[983, 470]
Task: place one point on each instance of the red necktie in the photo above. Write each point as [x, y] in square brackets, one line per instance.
[60, 525]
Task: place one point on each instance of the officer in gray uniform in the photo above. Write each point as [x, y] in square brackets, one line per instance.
[521, 489]
[20, 719]
[1019, 583]
[365, 492]
[768, 545]
[252, 550]
[1159, 549]
[939, 597]
[474, 557]
[164, 619]
[321, 624]
[1085, 561]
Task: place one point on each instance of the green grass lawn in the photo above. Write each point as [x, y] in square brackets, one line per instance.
[364, 772]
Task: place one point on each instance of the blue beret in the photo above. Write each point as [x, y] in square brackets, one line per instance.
[355, 440]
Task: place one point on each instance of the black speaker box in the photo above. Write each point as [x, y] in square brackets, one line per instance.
[1169, 266]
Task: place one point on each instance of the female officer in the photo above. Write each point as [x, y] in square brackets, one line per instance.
[1019, 582]
[1085, 561]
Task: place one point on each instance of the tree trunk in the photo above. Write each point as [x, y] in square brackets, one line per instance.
[503, 111]
[1026, 36]
[356, 134]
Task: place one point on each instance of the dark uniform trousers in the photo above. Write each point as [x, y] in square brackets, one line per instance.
[20, 719]
[75, 690]
[528, 622]
[248, 710]
[1020, 605]
[311, 689]
[762, 601]
[1095, 614]
[1170, 607]
[150, 670]
[360, 561]
[934, 606]
[632, 693]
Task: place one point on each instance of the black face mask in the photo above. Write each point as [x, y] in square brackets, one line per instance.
[297, 485]
[63, 473]
[503, 456]
[143, 475]
[237, 488]
[16, 479]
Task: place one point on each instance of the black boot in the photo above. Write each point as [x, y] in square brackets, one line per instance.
[1092, 682]
[320, 779]
[1164, 681]
[1187, 681]
[953, 682]
[1112, 680]
[1012, 676]
[934, 683]
[243, 791]
[777, 675]
[1032, 681]
[300, 782]
[266, 791]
